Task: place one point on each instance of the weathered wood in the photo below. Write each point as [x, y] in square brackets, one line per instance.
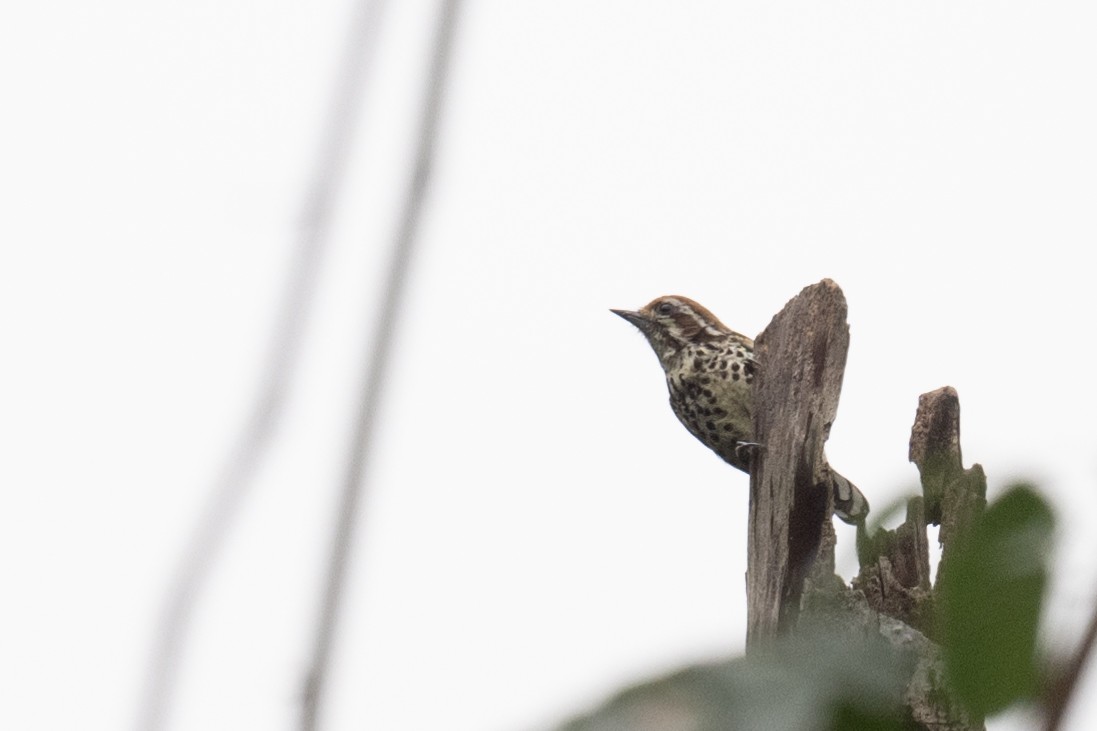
[894, 574]
[895, 563]
[955, 497]
[802, 356]
[935, 446]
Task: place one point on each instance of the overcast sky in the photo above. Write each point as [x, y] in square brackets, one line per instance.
[539, 529]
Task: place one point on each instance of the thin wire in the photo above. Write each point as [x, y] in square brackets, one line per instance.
[280, 365]
[376, 365]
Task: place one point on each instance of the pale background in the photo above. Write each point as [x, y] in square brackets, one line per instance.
[538, 529]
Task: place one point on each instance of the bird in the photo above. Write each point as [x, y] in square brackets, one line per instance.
[710, 371]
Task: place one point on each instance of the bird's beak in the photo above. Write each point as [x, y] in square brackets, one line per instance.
[636, 318]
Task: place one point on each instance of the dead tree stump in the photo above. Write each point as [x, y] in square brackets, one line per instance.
[894, 572]
[801, 357]
[790, 562]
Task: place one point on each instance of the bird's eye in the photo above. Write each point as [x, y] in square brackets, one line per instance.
[664, 308]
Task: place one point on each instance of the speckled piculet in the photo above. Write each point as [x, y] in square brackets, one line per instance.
[710, 370]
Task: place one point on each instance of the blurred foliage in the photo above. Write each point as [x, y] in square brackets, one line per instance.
[870, 534]
[991, 595]
[827, 676]
[813, 680]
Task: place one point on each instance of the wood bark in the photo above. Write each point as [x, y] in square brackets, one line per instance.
[801, 357]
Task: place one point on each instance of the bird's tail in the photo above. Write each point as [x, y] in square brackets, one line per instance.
[850, 504]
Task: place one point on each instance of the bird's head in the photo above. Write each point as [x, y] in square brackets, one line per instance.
[672, 323]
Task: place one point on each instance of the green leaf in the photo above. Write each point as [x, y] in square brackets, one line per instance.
[991, 593]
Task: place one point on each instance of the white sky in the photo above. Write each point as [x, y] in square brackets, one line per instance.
[539, 529]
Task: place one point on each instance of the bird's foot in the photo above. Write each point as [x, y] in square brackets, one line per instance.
[747, 451]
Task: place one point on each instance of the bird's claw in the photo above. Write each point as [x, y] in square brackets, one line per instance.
[746, 451]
